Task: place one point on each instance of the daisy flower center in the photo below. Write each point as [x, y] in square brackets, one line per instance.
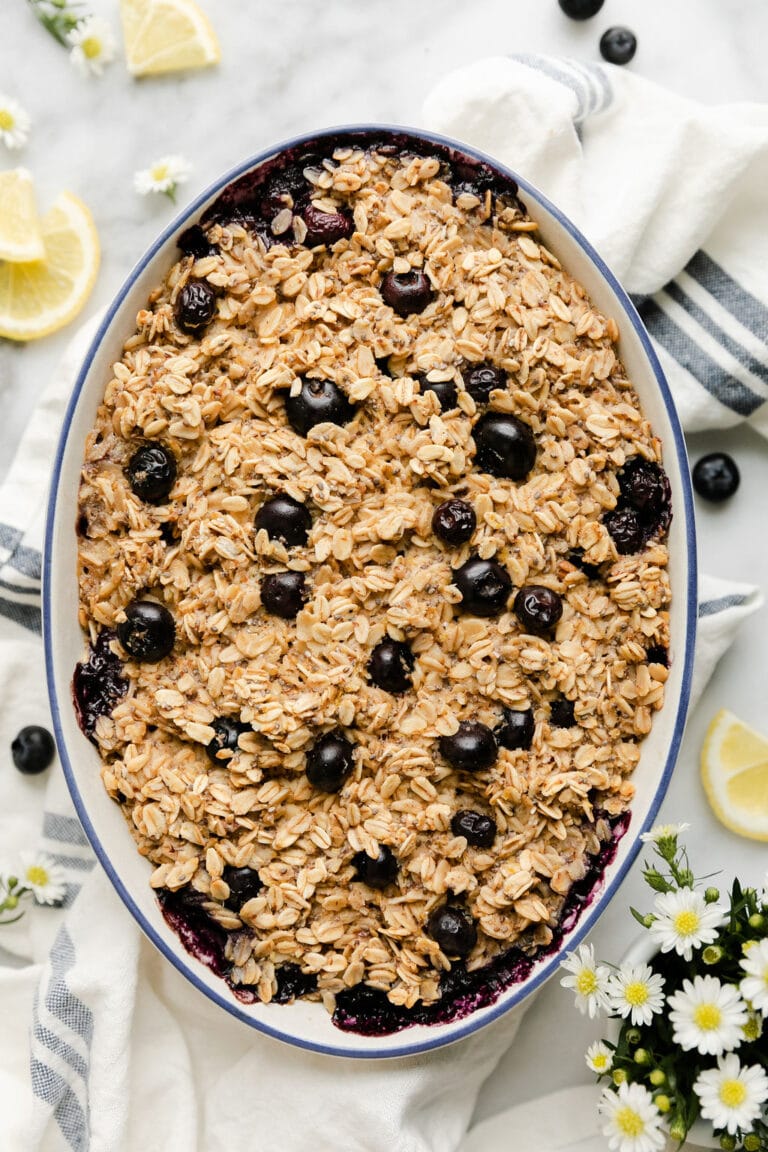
[732, 1093]
[160, 172]
[586, 982]
[629, 1122]
[636, 993]
[708, 1017]
[7, 121]
[600, 1062]
[686, 922]
[37, 875]
[91, 47]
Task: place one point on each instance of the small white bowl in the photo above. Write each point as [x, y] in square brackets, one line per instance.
[302, 1023]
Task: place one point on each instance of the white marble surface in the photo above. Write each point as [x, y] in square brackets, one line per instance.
[294, 65]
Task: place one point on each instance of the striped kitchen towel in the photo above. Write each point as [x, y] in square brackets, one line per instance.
[671, 193]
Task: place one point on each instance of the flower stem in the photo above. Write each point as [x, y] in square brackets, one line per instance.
[58, 17]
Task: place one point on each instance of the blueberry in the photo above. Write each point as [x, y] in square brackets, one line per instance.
[318, 402]
[454, 521]
[561, 713]
[244, 884]
[581, 9]
[329, 762]
[33, 750]
[504, 445]
[657, 654]
[228, 732]
[406, 292]
[293, 983]
[152, 472]
[618, 45]
[284, 593]
[538, 608]
[391, 665]
[453, 929]
[195, 306]
[376, 872]
[626, 531]
[284, 518]
[472, 748]
[326, 227]
[644, 486]
[445, 390]
[97, 684]
[484, 585]
[482, 379]
[716, 477]
[194, 242]
[148, 632]
[591, 571]
[516, 729]
[477, 829]
[169, 533]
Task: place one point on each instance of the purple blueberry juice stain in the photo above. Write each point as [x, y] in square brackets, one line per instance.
[97, 684]
[201, 936]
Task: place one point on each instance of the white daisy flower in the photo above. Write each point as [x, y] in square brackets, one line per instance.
[685, 921]
[754, 986]
[14, 123]
[708, 1016]
[663, 832]
[633, 1122]
[732, 1096]
[92, 45]
[588, 979]
[636, 991]
[43, 877]
[164, 175]
[599, 1057]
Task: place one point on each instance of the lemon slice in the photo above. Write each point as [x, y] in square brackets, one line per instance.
[20, 235]
[167, 36]
[43, 295]
[734, 771]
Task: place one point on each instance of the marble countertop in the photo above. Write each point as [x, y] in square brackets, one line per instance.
[295, 65]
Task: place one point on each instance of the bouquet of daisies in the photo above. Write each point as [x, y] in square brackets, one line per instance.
[686, 1040]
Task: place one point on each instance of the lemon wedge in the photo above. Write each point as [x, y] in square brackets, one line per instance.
[20, 235]
[734, 771]
[167, 36]
[41, 296]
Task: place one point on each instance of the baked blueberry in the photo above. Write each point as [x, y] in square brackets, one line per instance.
[283, 593]
[152, 472]
[516, 729]
[391, 665]
[618, 45]
[329, 762]
[591, 571]
[148, 632]
[657, 654]
[581, 9]
[97, 684]
[244, 884]
[716, 477]
[454, 521]
[407, 293]
[472, 747]
[228, 732]
[484, 585]
[194, 242]
[33, 750]
[482, 379]
[644, 486]
[284, 518]
[626, 531]
[325, 227]
[561, 713]
[453, 929]
[445, 390]
[376, 871]
[538, 608]
[195, 306]
[477, 829]
[318, 402]
[504, 445]
[293, 983]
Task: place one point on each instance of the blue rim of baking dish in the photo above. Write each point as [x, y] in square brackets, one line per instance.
[509, 998]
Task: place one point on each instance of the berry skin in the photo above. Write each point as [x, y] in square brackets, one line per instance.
[445, 390]
[626, 531]
[194, 242]
[244, 884]
[453, 930]
[657, 654]
[644, 486]
[516, 729]
[407, 293]
[195, 306]
[376, 872]
[482, 379]
[318, 402]
[561, 713]
[504, 446]
[454, 522]
[591, 571]
[283, 594]
[716, 477]
[538, 608]
[618, 45]
[472, 748]
[227, 733]
[391, 665]
[484, 585]
[329, 762]
[148, 632]
[325, 227]
[284, 518]
[293, 983]
[581, 9]
[477, 829]
[33, 750]
[151, 472]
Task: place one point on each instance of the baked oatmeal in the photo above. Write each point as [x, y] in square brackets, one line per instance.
[373, 569]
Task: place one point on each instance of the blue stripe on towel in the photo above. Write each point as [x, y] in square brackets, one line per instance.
[745, 307]
[737, 350]
[67, 829]
[721, 604]
[27, 615]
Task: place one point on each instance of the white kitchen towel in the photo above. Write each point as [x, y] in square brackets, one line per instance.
[671, 193]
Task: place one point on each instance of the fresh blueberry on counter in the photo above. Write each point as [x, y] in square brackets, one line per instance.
[716, 477]
[33, 750]
[618, 45]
